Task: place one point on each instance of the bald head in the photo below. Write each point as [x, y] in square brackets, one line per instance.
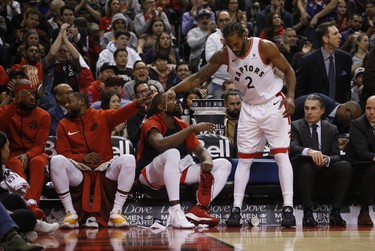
[370, 99]
[347, 112]
[354, 108]
[370, 109]
[61, 93]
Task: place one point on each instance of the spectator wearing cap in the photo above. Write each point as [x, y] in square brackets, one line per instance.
[161, 71]
[121, 41]
[190, 17]
[119, 22]
[94, 91]
[197, 37]
[357, 84]
[111, 85]
[64, 64]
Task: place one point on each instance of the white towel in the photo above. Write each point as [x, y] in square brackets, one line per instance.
[14, 183]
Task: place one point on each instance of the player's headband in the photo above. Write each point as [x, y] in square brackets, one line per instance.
[29, 87]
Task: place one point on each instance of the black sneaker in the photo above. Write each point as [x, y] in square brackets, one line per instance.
[308, 220]
[234, 219]
[336, 220]
[288, 218]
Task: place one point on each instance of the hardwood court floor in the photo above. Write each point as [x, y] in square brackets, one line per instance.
[263, 238]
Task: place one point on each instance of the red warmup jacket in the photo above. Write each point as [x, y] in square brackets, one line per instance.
[93, 91]
[91, 132]
[3, 79]
[146, 152]
[27, 133]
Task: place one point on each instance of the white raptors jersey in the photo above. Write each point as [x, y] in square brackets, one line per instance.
[259, 82]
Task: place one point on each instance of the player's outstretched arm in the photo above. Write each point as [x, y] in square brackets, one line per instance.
[203, 74]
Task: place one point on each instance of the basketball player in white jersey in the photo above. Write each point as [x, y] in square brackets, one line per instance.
[258, 70]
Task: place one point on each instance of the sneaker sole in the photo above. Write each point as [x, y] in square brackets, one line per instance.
[233, 224]
[197, 220]
[47, 232]
[289, 224]
[184, 227]
[333, 223]
[70, 226]
[125, 224]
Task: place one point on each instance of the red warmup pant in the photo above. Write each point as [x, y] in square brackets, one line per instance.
[35, 168]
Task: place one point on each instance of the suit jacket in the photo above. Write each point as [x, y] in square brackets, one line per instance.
[299, 112]
[301, 138]
[361, 146]
[368, 79]
[312, 75]
[56, 114]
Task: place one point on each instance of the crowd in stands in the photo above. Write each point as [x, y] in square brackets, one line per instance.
[117, 52]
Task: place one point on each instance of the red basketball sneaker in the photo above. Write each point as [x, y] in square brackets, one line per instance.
[204, 193]
[199, 215]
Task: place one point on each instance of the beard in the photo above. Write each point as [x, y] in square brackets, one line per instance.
[28, 107]
[32, 60]
[175, 112]
[233, 114]
[73, 113]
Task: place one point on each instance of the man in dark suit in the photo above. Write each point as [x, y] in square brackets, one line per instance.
[313, 71]
[316, 160]
[360, 152]
[338, 114]
[368, 79]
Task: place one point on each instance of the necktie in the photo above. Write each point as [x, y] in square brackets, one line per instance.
[332, 79]
[314, 137]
